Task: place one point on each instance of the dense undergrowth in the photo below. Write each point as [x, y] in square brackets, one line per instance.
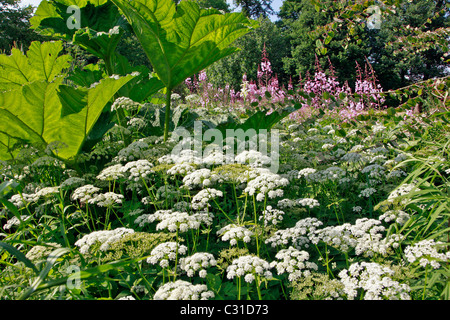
[356, 211]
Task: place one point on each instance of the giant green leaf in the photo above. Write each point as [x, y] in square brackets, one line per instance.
[100, 26]
[40, 63]
[39, 109]
[182, 40]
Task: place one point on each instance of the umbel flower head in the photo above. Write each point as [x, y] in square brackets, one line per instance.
[197, 263]
[249, 266]
[183, 290]
[165, 252]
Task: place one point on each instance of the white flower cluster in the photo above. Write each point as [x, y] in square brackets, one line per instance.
[46, 192]
[124, 103]
[327, 146]
[133, 151]
[197, 263]
[138, 169]
[113, 172]
[402, 191]
[352, 157]
[249, 266]
[233, 233]
[136, 123]
[85, 193]
[105, 237]
[175, 220]
[183, 290]
[271, 216]
[200, 200]
[374, 171]
[165, 252]
[294, 262]
[367, 192]
[374, 280]
[107, 200]
[298, 236]
[328, 174]
[365, 236]
[266, 183]
[200, 178]
[14, 221]
[426, 253]
[305, 172]
[253, 158]
[398, 216]
[184, 156]
[181, 169]
[21, 200]
[308, 202]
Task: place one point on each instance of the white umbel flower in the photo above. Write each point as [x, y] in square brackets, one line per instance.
[166, 252]
[105, 237]
[249, 266]
[85, 193]
[201, 199]
[374, 280]
[294, 262]
[183, 290]
[197, 263]
[235, 233]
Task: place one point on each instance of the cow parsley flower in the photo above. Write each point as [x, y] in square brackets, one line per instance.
[181, 169]
[426, 253]
[294, 262]
[398, 216]
[183, 290]
[201, 199]
[107, 200]
[374, 280]
[308, 202]
[138, 169]
[305, 172]
[166, 252]
[197, 263]
[200, 178]
[85, 193]
[266, 184]
[271, 216]
[253, 158]
[297, 236]
[367, 192]
[249, 266]
[174, 220]
[113, 172]
[105, 237]
[234, 233]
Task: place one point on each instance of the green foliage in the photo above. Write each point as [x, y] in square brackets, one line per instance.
[14, 26]
[182, 40]
[40, 109]
[229, 70]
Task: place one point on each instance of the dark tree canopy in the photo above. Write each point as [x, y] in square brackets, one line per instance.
[14, 26]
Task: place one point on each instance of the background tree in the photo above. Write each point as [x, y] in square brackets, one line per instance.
[299, 20]
[231, 69]
[255, 8]
[14, 26]
[338, 32]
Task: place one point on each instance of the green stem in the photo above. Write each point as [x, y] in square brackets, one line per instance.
[258, 282]
[167, 115]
